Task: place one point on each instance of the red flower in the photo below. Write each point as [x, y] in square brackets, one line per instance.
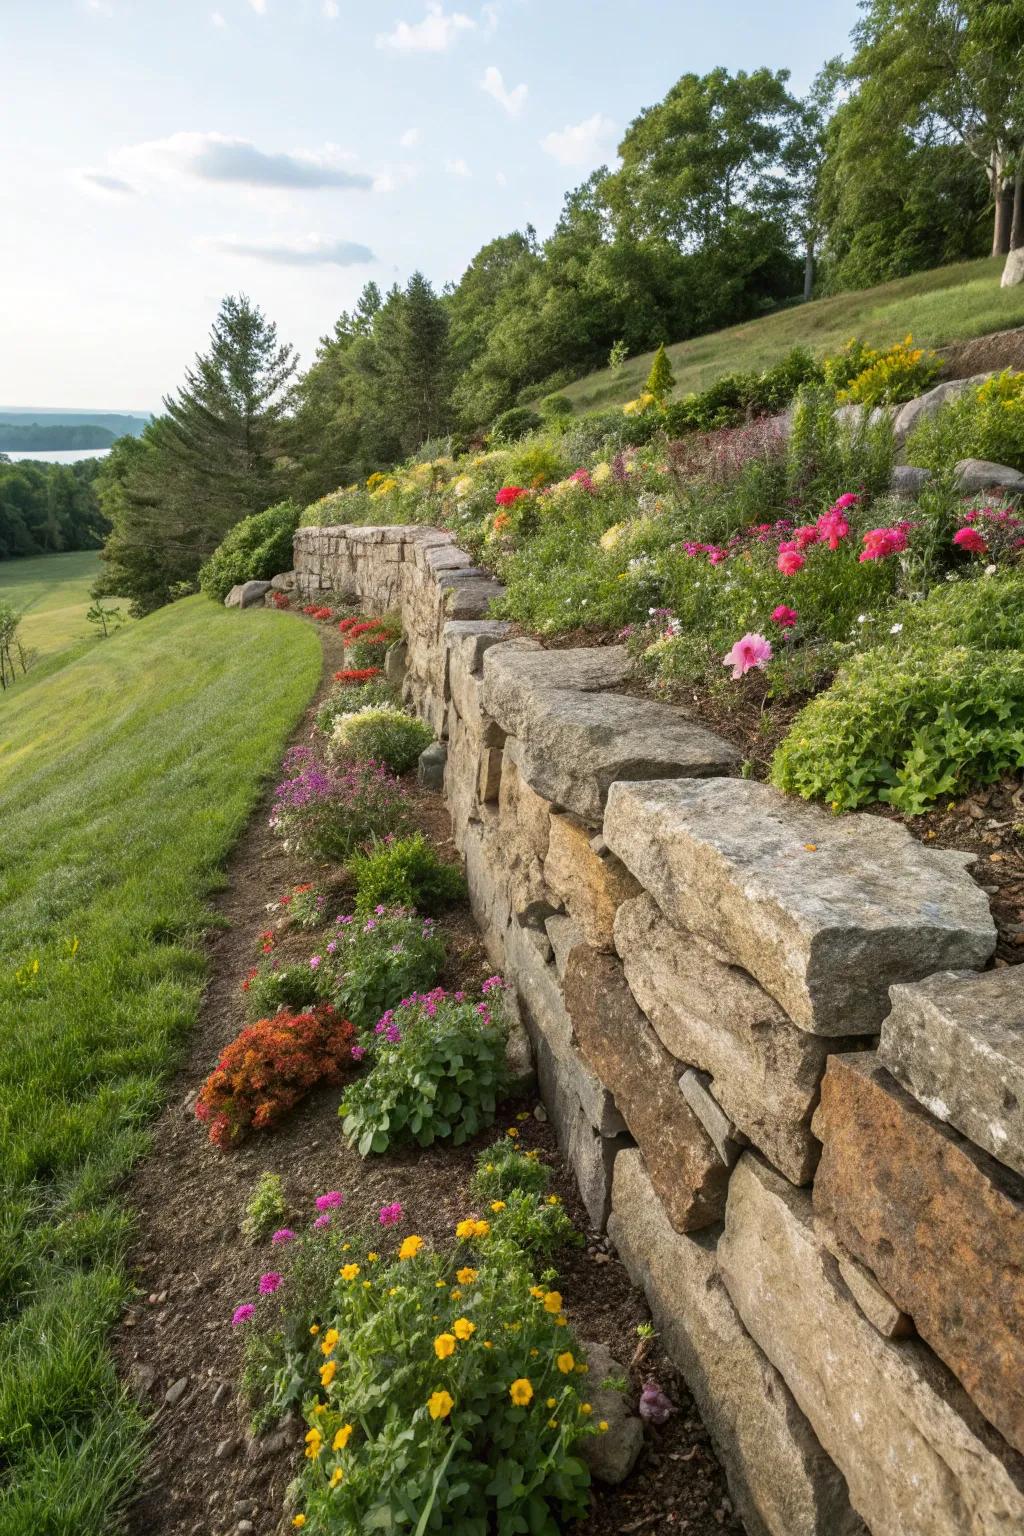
[790, 560]
[971, 540]
[356, 674]
[509, 494]
[880, 542]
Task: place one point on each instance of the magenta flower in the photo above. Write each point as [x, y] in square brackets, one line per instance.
[880, 542]
[784, 617]
[393, 1033]
[752, 651]
[283, 1235]
[358, 1052]
[242, 1314]
[971, 540]
[328, 1202]
[270, 1282]
[790, 560]
[491, 983]
[322, 1221]
[314, 961]
[390, 1214]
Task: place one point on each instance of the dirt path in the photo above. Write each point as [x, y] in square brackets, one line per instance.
[205, 1474]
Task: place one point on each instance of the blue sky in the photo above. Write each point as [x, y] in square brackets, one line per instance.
[156, 154]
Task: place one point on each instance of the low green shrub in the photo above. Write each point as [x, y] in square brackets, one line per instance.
[379, 733]
[347, 698]
[514, 424]
[985, 422]
[255, 549]
[899, 373]
[405, 873]
[513, 1186]
[369, 964]
[437, 1072]
[271, 985]
[983, 613]
[265, 1208]
[556, 408]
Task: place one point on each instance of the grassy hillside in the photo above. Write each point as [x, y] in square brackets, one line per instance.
[949, 304]
[124, 780]
[53, 592]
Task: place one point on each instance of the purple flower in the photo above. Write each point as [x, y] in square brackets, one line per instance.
[314, 961]
[655, 1407]
[358, 1052]
[322, 1221]
[393, 1033]
[491, 983]
[242, 1314]
[390, 1214]
[331, 947]
[283, 1235]
[369, 925]
[333, 1197]
[379, 911]
[270, 1282]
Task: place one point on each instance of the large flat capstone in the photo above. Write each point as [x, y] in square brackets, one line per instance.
[940, 1224]
[918, 1457]
[519, 669]
[956, 1042]
[825, 912]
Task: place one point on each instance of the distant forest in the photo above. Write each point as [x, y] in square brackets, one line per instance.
[42, 437]
[47, 508]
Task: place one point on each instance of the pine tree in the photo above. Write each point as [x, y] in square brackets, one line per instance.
[661, 381]
[204, 464]
[413, 360]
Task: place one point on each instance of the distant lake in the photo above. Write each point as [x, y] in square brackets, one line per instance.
[58, 455]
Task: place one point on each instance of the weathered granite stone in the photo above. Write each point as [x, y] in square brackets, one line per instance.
[1013, 271]
[826, 912]
[430, 765]
[465, 642]
[956, 1042]
[284, 581]
[923, 406]
[592, 888]
[908, 481]
[611, 1456]
[714, 1015]
[622, 1048]
[878, 1307]
[940, 1223]
[564, 934]
[523, 818]
[982, 475]
[518, 670]
[396, 663]
[248, 594]
[519, 1062]
[918, 1457]
[780, 1479]
[728, 1142]
[487, 881]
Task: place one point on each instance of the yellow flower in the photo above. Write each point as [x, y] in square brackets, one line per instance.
[371, 1258]
[586, 1408]
[463, 1328]
[440, 1405]
[538, 1292]
[439, 1285]
[329, 1340]
[552, 1402]
[512, 1132]
[552, 1302]
[327, 1372]
[299, 1521]
[315, 1329]
[552, 1423]
[336, 1477]
[314, 1443]
[342, 1438]
[456, 1294]
[488, 1344]
[611, 536]
[465, 1228]
[560, 1321]
[603, 1426]
[467, 1276]
[521, 1392]
[367, 1285]
[601, 473]
[565, 1362]
[410, 1247]
[349, 1271]
[553, 1200]
[444, 1345]
[497, 1205]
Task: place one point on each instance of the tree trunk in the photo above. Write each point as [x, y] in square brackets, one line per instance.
[1002, 198]
[1017, 222]
[809, 271]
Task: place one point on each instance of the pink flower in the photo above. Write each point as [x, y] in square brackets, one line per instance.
[804, 536]
[509, 494]
[879, 542]
[971, 540]
[784, 617]
[849, 500]
[243, 1313]
[751, 651]
[390, 1214]
[314, 961]
[328, 1202]
[832, 525]
[283, 1235]
[358, 1052]
[489, 985]
[582, 477]
[322, 1221]
[270, 1282]
[790, 560]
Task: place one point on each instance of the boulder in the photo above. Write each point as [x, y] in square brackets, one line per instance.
[1013, 271]
[591, 886]
[923, 406]
[826, 912]
[981, 475]
[956, 1042]
[283, 582]
[248, 594]
[518, 670]
[765, 1072]
[907, 481]
[781, 1481]
[612, 1455]
[918, 1457]
[430, 766]
[940, 1224]
[622, 1048]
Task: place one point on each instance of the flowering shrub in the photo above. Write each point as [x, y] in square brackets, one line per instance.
[379, 733]
[355, 691]
[513, 1187]
[446, 1389]
[318, 611]
[271, 985]
[326, 815]
[367, 965]
[405, 872]
[985, 422]
[281, 600]
[437, 1071]
[994, 533]
[899, 373]
[366, 640]
[269, 1067]
[303, 905]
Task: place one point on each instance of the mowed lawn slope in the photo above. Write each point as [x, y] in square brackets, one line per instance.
[124, 779]
[53, 593]
[947, 304]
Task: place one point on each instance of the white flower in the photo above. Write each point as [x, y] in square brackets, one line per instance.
[862, 618]
[895, 629]
[990, 570]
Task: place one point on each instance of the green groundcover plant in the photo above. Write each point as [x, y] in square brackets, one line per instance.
[379, 733]
[405, 872]
[255, 549]
[514, 1187]
[442, 1392]
[370, 963]
[437, 1071]
[985, 422]
[348, 697]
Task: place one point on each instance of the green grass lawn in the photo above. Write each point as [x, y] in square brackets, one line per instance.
[948, 304]
[53, 593]
[124, 780]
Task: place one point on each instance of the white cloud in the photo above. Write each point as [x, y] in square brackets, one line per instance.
[501, 178]
[583, 143]
[217, 157]
[494, 85]
[457, 168]
[410, 138]
[99, 7]
[259, 6]
[306, 251]
[489, 17]
[434, 34]
[330, 9]
[217, 19]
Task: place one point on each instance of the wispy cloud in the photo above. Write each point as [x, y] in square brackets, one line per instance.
[99, 181]
[584, 143]
[259, 6]
[410, 138]
[217, 19]
[216, 157]
[330, 9]
[513, 101]
[434, 34]
[311, 251]
[457, 168]
[99, 7]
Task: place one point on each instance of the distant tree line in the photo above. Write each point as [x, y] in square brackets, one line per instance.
[731, 196]
[47, 508]
[41, 436]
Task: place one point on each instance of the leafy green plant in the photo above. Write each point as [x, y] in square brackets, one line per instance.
[271, 985]
[379, 733]
[405, 872]
[514, 424]
[985, 422]
[370, 964]
[514, 1188]
[255, 549]
[505, 1167]
[887, 377]
[437, 1072]
[265, 1208]
[347, 698]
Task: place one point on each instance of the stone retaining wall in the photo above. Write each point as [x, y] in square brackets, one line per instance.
[761, 1036]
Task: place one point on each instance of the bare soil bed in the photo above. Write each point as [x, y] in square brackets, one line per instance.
[206, 1475]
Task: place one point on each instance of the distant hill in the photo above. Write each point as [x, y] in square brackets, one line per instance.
[116, 423]
[40, 437]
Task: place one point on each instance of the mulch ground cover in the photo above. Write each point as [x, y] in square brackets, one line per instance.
[205, 1473]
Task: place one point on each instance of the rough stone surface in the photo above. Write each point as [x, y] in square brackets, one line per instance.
[1013, 271]
[622, 1048]
[592, 888]
[523, 818]
[728, 1142]
[248, 594]
[918, 1457]
[938, 1222]
[488, 886]
[825, 912]
[590, 1155]
[908, 481]
[564, 934]
[982, 475]
[714, 1015]
[612, 1456]
[878, 1307]
[430, 766]
[284, 581]
[915, 411]
[956, 1042]
[516, 672]
[781, 1480]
